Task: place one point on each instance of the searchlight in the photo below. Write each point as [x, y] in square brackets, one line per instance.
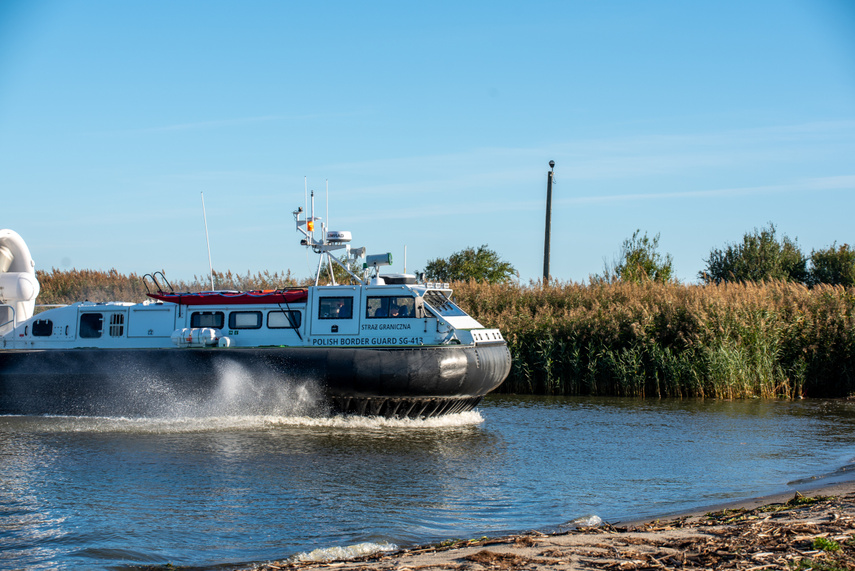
[377, 260]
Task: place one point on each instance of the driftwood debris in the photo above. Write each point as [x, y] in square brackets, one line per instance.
[802, 533]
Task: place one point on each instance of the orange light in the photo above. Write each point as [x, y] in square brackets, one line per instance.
[311, 225]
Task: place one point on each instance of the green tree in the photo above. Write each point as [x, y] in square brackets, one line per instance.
[482, 264]
[341, 276]
[639, 261]
[833, 265]
[760, 256]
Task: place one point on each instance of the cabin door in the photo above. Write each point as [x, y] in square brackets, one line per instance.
[336, 311]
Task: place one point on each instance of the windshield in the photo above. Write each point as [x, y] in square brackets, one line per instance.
[440, 304]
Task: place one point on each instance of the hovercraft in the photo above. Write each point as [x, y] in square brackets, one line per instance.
[387, 345]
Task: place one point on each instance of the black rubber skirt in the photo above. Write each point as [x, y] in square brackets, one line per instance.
[396, 382]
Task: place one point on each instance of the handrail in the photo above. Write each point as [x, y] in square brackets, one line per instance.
[157, 285]
[13, 321]
[145, 283]
[166, 281]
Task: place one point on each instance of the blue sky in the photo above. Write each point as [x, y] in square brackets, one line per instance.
[433, 122]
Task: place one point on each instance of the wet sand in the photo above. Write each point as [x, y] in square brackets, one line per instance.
[814, 528]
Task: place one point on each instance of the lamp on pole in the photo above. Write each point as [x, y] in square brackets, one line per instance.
[548, 222]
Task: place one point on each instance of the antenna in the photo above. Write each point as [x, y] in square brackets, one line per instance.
[207, 241]
[405, 258]
[312, 227]
[326, 228]
[330, 242]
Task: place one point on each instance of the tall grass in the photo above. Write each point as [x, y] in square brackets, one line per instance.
[764, 340]
[63, 287]
[728, 341]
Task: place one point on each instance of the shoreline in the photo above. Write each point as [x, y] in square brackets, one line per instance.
[812, 525]
[837, 483]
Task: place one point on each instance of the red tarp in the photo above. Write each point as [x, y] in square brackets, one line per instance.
[234, 298]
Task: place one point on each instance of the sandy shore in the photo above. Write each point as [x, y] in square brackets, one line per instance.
[814, 529]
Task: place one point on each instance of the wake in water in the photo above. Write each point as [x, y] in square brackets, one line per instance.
[188, 424]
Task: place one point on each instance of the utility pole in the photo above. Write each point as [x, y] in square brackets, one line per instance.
[548, 222]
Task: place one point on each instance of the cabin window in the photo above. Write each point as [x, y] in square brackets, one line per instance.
[215, 319]
[245, 320]
[335, 308]
[42, 328]
[284, 319]
[117, 324]
[91, 325]
[394, 307]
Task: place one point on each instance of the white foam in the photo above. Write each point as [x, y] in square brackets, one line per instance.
[349, 552]
[586, 521]
[348, 421]
[188, 424]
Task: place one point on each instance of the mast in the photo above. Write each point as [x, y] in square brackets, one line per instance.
[329, 241]
[207, 241]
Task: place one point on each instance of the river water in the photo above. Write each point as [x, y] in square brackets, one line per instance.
[208, 491]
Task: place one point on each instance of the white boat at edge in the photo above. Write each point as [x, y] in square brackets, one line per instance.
[383, 345]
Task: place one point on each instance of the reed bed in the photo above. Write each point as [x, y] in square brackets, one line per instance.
[763, 340]
[64, 287]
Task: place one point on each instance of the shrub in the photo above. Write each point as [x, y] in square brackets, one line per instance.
[483, 265]
[759, 257]
[638, 261]
[833, 265]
